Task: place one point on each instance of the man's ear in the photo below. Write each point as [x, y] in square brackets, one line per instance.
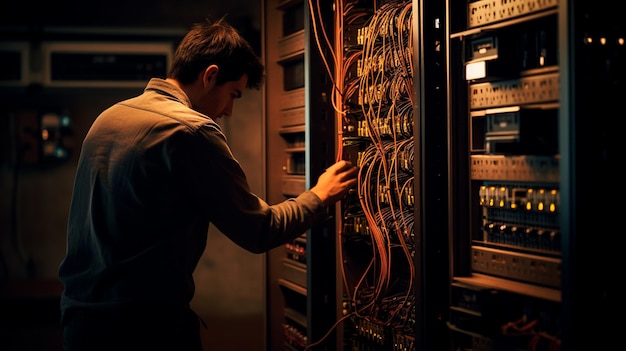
[209, 77]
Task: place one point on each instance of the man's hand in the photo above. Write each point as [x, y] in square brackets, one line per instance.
[335, 183]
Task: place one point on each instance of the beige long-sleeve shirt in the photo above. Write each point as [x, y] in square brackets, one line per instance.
[152, 175]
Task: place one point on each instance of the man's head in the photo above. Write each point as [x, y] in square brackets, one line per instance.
[216, 43]
[213, 63]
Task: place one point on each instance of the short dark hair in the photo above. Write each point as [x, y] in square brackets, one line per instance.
[216, 43]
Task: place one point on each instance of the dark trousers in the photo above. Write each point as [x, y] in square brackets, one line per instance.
[150, 328]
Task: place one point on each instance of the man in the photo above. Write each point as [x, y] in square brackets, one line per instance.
[154, 172]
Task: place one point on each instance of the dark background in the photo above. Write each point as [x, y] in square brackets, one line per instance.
[35, 195]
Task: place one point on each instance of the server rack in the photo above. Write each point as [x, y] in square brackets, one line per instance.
[363, 62]
[301, 145]
[525, 147]
[377, 234]
[395, 127]
[513, 155]
[505, 193]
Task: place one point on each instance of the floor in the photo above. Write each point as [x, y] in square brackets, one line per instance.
[29, 321]
[234, 333]
[29, 317]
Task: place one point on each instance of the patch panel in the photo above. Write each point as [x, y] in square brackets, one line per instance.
[296, 250]
[488, 11]
[534, 89]
[527, 236]
[515, 196]
[515, 168]
[542, 270]
[295, 336]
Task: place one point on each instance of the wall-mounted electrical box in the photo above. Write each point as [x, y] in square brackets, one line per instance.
[104, 64]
